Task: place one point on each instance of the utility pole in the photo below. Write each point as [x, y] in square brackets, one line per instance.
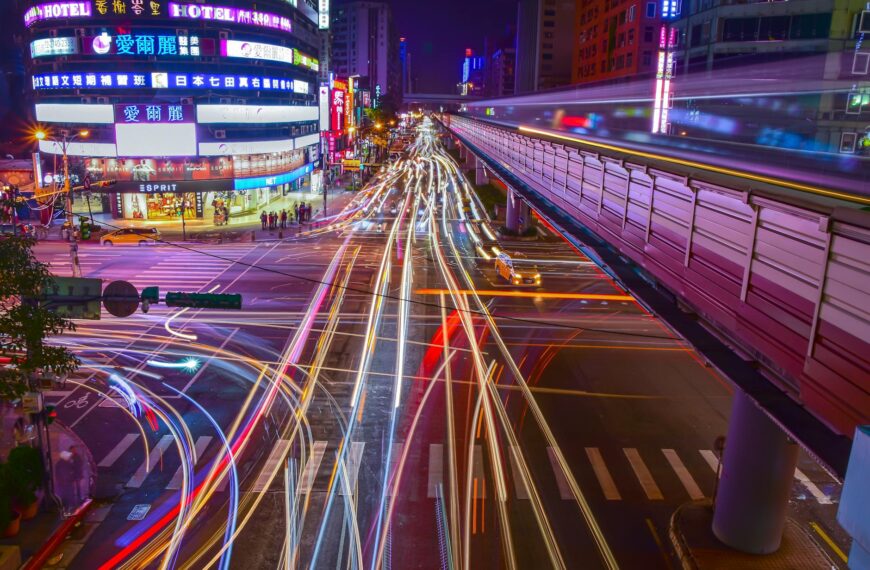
[67, 187]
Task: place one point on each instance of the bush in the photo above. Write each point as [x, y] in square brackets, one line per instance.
[6, 494]
[27, 473]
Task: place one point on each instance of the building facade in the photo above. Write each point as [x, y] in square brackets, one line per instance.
[502, 65]
[189, 107]
[615, 38]
[364, 44]
[544, 44]
[473, 74]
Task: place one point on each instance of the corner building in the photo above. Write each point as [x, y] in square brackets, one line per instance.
[189, 106]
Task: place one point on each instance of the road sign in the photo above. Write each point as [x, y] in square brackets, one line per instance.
[73, 297]
[138, 513]
[121, 298]
[31, 402]
[204, 300]
[350, 164]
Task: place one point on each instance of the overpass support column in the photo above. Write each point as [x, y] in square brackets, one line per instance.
[480, 176]
[517, 213]
[757, 474]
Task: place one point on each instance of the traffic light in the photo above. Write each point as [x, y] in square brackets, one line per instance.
[50, 414]
[204, 300]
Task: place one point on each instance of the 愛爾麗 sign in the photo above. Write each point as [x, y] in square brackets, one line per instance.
[56, 11]
[229, 14]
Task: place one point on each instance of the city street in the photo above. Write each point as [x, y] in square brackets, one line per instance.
[385, 398]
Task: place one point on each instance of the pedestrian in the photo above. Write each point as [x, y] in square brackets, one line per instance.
[308, 212]
[283, 219]
[263, 219]
[226, 215]
[296, 212]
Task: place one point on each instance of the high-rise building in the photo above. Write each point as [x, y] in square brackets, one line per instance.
[544, 44]
[616, 38]
[405, 59]
[186, 105]
[365, 44]
[473, 74]
[502, 64]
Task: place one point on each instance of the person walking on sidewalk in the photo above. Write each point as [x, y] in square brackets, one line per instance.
[283, 219]
[263, 219]
[297, 212]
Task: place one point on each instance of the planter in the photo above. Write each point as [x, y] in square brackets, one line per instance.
[13, 527]
[28, 512]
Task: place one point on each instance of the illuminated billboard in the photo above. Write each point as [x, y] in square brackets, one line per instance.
[230, 15]
[148, 44]
[154, 113]
[54, 46]
[255, 114]
[57, 11]
[160, 139]
[306, 61]
[254, 50]
[323, 14]
[337, 102]
[159, 170]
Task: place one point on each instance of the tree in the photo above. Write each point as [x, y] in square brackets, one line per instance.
[25, 324]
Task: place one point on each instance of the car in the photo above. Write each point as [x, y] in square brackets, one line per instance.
[504, 265]
[131, 236]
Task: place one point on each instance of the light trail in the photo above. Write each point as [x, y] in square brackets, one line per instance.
[530, 294]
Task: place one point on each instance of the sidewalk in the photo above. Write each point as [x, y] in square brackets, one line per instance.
[36, 531]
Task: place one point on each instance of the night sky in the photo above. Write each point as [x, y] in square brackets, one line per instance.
[439, 31]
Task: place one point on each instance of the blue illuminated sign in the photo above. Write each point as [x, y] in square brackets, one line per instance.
[159, 80]
[264, 181]
[670, 9]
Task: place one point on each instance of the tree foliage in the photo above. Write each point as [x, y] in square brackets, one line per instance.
[25, 324]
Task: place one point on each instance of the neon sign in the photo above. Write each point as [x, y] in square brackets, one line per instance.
[254, 50]
[153, 113]
[54, 46]
[56, 11]
[148, 45]
[229, 14]
[159, 80]
[306, 61]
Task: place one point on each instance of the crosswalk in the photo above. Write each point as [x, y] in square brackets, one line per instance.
[611, 474]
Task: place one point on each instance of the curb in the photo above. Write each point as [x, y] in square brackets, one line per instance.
[41, 556]
[681, 549]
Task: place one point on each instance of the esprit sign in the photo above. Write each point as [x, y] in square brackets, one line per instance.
[229, 14]
[57, 10]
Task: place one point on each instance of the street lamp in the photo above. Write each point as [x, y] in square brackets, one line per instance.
[64, 141]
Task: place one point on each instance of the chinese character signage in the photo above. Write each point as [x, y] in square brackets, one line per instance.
[323, 14]
[135, 44]
[160, 80]
[57, 11]
[154, 113]
[254, 50]
[129, 7]
[54, 46]
[306, 61]
[230, 15]
[338, 97]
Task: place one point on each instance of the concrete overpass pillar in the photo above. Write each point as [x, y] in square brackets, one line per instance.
[517, 213]
[757, 475]
[463, 153]
[480, 176]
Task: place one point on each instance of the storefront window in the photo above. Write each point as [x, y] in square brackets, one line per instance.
[159, 206]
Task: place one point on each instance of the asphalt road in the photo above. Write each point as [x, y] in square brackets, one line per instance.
[385, 399]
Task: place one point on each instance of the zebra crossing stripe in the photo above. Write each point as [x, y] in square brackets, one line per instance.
[306, 482]
[608, 486]
[118, 450]
[351, 467]
[519, 481]
[812, 488]
[561, 480]
[153, 459]
[436, 470]
[683, 474]
[277, 455]
[199, 447]
[644, 477]
[711, 459]
[395, 457]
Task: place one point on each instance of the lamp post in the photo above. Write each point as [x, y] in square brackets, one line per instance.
[66, 138]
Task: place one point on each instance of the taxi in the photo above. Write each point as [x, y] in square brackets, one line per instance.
[131, 236]
[504, 266]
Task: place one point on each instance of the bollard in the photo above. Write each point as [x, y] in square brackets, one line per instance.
[253, 235]
[281, 234]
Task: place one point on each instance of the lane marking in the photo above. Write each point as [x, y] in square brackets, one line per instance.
[118, 450]
[395, 457]
[519, 482]
[306, 482]
[351, 467]
[436, 470]
[820, 496]
[199, 447]
[818, 530]
[644, 477]
[276, 457]
[710, 458]
[683, 474]
[608, 486]
[561, 481]
[662, 550]
[147, 466]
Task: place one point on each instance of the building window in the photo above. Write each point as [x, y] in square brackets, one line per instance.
[631, 13]
[549, 24]
[648, 34]
[629, 59]
[622, 17]
[650, 9]
[631, 37]
[647, 58]
[551, 13]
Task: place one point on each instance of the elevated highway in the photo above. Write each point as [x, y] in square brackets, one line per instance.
[776, 273]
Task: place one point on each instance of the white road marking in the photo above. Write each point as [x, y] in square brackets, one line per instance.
[644, 477]
[710, 458]
[199, 447]
[685, 477]
[436, 470]
[118, 450]
[306, 482]
[812, 488]
[277, 455]
[561, 479]
[608, 486]
[153, 459]
[519, 482]
[395, 456]
[351, 466]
